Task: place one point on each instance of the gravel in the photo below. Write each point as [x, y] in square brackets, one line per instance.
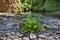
[9, 29]
[39, 37]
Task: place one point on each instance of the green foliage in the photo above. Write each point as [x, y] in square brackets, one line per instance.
[48, 5]
[32, 24]
[51, 5]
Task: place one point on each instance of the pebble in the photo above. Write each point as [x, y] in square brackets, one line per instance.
[32, 36]
[42, 36]
[39, 39]
[25, 38]
[15, 39]
[20, 38]
[12, 37]
[19, 34]
[12, 33]
[7, 34]
[8, 38]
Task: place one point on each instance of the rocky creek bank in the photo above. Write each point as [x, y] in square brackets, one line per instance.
[9, 29]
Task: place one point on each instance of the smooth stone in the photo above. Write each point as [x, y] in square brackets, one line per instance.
[8, 38]
[20, 38]
[32, 36]
[7, 34]
[16, 36]
[47, 26]
[25, 38]
[5, 38]
[1, 38]
[42, 36]
[35, 39]
[19, 34]
[39, 39]
[12, 33]
[50, 38]
[12, 37]
[15, 39]
[17, 26]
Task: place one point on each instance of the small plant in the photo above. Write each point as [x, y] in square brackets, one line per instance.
[32, 24]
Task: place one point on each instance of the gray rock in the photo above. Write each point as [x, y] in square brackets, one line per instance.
[35, 39]
[8, 38]
[25, 38]
[20, 38]
[15, 39]
[19, 34]
[39, 39]
[12, 33]
[1, 38]
[32, 36]
[5, 38]
[12, 37]
[42, 36]
[51, 38]
[7, 34]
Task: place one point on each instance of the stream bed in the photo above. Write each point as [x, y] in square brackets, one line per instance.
[8, 24]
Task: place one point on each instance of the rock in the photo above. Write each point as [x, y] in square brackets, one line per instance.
[8, 38]
[25, 38]
[12, 33]
[32, 36]
[16, 36]
[50, 38]
[5, 38]
[1, 38]
[17, 26]
[19, 34]
[47, 26]
[42, 36]
[20, 38]
[7, 34]
[15, 39]
[39, 39]
[35, 39]
[12, 37]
